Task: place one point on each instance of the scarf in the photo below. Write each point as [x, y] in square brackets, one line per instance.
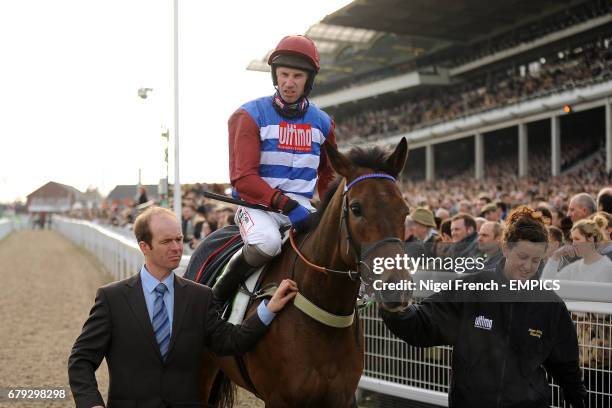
[290, 110]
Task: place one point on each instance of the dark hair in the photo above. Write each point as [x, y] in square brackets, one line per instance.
[556, 234]
[502, 205]
[468, 220]
[438, 221]
[604, 200]
[524, 224]
[445, 227]
[485, 197]
[142, 229]
[545, 212]
[566, 224]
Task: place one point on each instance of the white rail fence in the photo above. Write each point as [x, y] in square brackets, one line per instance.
[391, 366]
[15, 223]
[119, 254]
[6, 227]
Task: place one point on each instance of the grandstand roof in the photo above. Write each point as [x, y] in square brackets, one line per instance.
[370, 35]
[448, 20]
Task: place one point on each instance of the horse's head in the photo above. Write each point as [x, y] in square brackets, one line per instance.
[374, 211]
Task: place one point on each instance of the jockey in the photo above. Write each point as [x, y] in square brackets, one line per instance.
[276, 159]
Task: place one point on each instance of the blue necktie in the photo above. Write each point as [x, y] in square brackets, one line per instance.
[160, 321]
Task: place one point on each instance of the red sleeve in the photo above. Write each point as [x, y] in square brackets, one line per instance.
[244, 154]
[325, 171]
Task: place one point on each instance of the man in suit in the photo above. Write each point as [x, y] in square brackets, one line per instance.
[154, 327]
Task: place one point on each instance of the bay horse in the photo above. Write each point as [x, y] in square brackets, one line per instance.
[301, 362]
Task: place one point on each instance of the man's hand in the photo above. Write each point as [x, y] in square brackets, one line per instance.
[285, 292]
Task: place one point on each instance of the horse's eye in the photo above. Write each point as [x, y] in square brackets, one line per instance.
[356, 209]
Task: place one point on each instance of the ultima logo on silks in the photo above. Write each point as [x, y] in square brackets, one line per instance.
[482, 322]
[295, 136]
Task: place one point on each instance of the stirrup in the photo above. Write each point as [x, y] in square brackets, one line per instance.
[235, 273]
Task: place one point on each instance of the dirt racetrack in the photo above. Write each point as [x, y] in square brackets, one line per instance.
[48, 286]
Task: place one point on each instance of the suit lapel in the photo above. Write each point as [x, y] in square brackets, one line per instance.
[181, 300]
[135, 297]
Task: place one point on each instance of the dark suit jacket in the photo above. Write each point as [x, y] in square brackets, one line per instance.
[119, 329]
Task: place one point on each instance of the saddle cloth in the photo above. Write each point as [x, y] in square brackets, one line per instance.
[213, 252]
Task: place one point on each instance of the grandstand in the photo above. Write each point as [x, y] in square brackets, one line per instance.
[470, 83]
[504, 98]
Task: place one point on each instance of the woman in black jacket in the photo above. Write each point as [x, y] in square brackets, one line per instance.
[504, 339]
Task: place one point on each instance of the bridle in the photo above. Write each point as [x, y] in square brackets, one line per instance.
[359, 255]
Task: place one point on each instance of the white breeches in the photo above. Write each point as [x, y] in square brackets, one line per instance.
[261, 228]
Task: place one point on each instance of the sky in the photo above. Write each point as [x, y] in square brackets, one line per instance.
[71, 70]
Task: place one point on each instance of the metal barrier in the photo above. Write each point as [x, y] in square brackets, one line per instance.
[422, 374]
[119, 254]
[391, 366]
[14, 223]
[20, 222]
[6, 227]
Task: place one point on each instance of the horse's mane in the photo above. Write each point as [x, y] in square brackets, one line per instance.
[373, 158]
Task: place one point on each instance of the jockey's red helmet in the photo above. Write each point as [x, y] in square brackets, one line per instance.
[298, 46]
[296, 51]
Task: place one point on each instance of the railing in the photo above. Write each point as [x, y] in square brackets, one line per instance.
[119, 254]
[21, 222]
[15, 223]
[6, 226]
[391, 366]
[422, 374]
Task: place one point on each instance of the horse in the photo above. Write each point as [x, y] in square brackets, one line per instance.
[300, 361]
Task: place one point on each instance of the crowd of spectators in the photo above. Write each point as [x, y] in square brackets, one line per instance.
[578, 67]
[453, 193]
[533, 30]
[460, 217]
[463, 192]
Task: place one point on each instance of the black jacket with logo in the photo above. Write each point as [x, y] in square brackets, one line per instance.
[502, 342]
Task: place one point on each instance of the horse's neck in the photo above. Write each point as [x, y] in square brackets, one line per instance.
[333, 292]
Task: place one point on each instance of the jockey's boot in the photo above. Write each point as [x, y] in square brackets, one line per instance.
[238, 270]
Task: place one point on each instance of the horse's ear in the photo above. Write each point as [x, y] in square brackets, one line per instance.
[398, 158]
[339, 162]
